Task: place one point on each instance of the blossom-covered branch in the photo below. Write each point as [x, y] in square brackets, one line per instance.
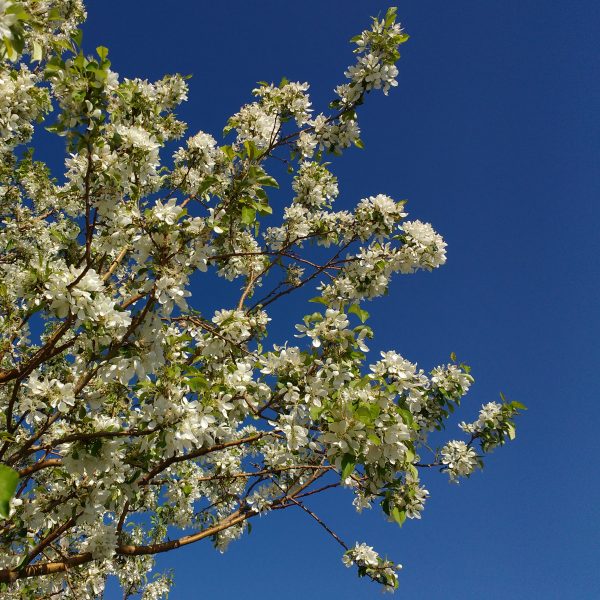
[131, 405]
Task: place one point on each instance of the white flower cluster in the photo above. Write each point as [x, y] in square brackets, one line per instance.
[411, 498]
[232, 329]
[335, 136]
[306, 144]
[423, 247]
[21, 103]
[427, 398]
[48, 23]
[50, 392]
[490, 415]
[7, 20]
[367, 273]
[314, 185]
[287, 100]
[196, 162]
[157, 589]
[461, 460]
[371, 564]
[452, 381]
[202, 147]
[245, 257]
[371, 73]
[102, 542]
[142, 161]
[255, 124]
[375, 68]
[325, 329]
[363, 555]
[349, 95]
[495, 424]
[171, 292]
[139, 103]
[137, 138]
[378, 216]
[377, 51]
[403, 374]
[81, 293]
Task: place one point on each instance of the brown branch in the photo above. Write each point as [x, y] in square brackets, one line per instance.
[197, 453]
[42, 354]
[54, 534]
[263, 302]
[47, 568]
[115, 263]
[330, 531]
[237, 517]
[253, 277]
[75, 437]
[248, 474]
[38, 466]
[122, 518]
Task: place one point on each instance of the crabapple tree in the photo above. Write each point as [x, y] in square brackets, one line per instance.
[135, 417]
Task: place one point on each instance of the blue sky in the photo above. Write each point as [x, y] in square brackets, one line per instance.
[492, 135]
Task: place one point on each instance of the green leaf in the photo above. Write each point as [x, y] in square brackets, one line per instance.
[197, 384]
[11, 53]
[267, 180]
[398, 515]
[512, 434]
[264, 209]
[77, 37]
[363, 414]
[205, 185]
[102, 52]
[37, 54]
[250, 149]
[518, 405]
[55, 15]
[375, 410]
[374, 439]
[18, 11]
[248, 215]
[316, 411]
[406, 415]
[355, 309]
[9, 479]
[390, 16]
[348, 464]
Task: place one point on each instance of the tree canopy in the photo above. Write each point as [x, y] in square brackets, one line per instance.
[135, 418]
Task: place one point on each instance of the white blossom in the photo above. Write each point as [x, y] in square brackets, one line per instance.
[6, 20]
[460, 459]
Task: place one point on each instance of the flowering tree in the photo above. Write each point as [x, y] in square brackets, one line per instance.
[134, 420]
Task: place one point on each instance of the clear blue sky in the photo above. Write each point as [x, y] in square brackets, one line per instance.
[493, 136]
